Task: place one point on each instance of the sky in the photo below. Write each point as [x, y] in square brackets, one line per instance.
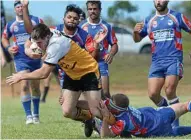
[56, 8]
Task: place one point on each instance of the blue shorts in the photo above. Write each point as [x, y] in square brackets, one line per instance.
[103, 67]
[163, 68]
[21, 65]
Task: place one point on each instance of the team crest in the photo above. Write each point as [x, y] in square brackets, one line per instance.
[154, 24]
[170, 22]
[93, 27]
[16, 28]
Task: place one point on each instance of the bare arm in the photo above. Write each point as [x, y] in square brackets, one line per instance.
[26, 18]
[105, 130]
[138, 27]
[41, 73]
[6, 44]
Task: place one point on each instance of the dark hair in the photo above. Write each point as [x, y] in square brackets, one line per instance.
[120, 100]
[40, 31]
[97, 2]
[73, 8]
[17, 2]
[83, 14]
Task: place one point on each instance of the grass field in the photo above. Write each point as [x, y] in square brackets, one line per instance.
[128, 75]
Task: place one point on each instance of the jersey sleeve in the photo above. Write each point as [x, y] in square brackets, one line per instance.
[89, 44]
[118, 127]
[144, 32]
[185, 23]
[112, 39]
[6, 32]
[55, 52]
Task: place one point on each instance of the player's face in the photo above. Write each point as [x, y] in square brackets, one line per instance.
[161, 5]
[19, 10]
[93, 11]
[42, 43]
[71, 20]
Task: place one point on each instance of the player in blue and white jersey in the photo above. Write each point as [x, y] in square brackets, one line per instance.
[93, 25]
[23, 63]
[142, 122]
[164, 30]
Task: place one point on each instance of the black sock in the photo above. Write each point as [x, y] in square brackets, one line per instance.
[46, 89]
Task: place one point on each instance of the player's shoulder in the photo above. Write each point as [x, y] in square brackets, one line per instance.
[9, 23]
[81, 31]
[175, 13]
[59, 38]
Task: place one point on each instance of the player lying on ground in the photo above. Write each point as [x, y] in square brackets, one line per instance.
[142, 122]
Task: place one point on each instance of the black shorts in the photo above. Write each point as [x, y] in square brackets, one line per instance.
[87, 82]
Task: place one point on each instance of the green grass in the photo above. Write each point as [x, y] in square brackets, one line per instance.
[53, 125]
[128, 73]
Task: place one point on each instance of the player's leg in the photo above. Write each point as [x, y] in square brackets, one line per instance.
[46, 87]
[155, 83]
[35, 88]
[104, 79]
[21, 67]
[180, 109]
[173, 75]
[71, 93]
[92, 88]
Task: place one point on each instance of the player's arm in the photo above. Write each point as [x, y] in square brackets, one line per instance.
[26, 18]
[41, 73]
[5, 41]
[114, 46]
[136, 33]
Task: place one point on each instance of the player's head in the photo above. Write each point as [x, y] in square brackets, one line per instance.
[82, 15]
[118, 103]
[18, 8]
[94, 9]
[72, 17]
[161, 5]
[41, 35]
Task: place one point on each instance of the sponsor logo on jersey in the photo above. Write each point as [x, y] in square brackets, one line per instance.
[21, 38]
[163, 35]
[16, 28]
[170, 22]
[154, 24]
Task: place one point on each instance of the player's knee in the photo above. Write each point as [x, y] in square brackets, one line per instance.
[35, 91]
[66, 112]
[170, 91]
[25, 88]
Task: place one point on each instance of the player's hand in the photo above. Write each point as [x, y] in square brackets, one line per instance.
[103, 110]
[13, 50]
[15, 78]
[190, 55]
[30, 52]
[24, 2]
[138, 27]
[100, 36]
[108, 58]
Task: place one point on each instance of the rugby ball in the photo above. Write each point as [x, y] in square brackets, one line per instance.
[36, 49]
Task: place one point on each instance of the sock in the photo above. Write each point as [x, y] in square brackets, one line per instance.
[189, 106]
[163, 102]
[36, 101]
[46, 89]
[174, 101]
[83, 114]
[26, 101]
[181, 130]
